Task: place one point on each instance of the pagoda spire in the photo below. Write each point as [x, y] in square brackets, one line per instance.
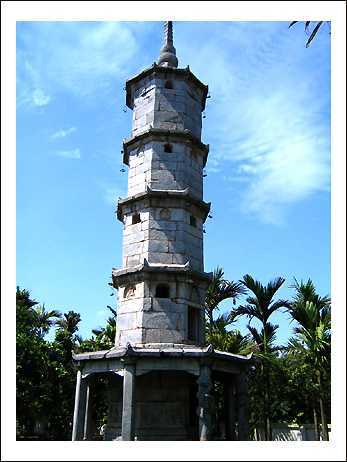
[167, 57]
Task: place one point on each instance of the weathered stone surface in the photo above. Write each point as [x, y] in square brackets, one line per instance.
[133, 336]
[127, 321]
[158, 246]
[161, 320]
[160, 169]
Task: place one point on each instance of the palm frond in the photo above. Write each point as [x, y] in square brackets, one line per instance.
[314, 32]
[220, 289]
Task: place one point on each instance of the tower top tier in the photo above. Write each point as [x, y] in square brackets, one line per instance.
[161, 72]
[165, 69]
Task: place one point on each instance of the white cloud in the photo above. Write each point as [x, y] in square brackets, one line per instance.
[284, 154]
[30, 88]
[63, 133]
[70, 154]
[267, 121]
[268, 118]
[39, 98]
[80, 57]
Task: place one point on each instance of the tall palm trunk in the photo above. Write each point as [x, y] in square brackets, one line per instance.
[268, 430]
[325, 432]
[267, 400]
[316, 425]
[266, 404]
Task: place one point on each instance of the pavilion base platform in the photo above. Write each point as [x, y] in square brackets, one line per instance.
[163, 392]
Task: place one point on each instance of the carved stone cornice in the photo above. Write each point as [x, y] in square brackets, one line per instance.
[143, 271]
[156, 134]
[183, 194]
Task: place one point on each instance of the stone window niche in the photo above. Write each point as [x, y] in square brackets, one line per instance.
[162, 291]
[192, 221]
[193, 324]
[169, 84]
[135, 218]
[129, 292]
[167, 147]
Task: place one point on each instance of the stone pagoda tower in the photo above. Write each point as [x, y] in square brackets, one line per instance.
[160, 370]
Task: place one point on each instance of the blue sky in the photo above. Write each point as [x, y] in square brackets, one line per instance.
[268, 173]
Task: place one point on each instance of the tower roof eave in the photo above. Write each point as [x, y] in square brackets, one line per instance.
[165, 350]
[160, 132]
[122, 276]
[164, 193]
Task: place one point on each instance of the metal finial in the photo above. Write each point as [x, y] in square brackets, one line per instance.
[168, 52]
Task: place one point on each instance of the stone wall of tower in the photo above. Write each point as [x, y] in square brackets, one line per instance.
[162, 283]
[176, 108]
[144, 318]
[164, 233]
[150, 164]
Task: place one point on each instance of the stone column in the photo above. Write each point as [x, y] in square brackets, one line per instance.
[87, 413]
[128, 414]
[204, 405]
[79, 410]
[229, 399]
[242, 406]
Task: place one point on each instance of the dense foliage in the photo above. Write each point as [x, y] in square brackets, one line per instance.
[45, 372]
[287, 383]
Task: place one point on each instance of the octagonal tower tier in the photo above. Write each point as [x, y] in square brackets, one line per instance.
[162, 284]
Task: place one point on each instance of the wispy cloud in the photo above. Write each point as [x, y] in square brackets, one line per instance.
[39, 97]
[69, 154]
[63, 133]
[268, 121]
[30, 88]
[82, 58]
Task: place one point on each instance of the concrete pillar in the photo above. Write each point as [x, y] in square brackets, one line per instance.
[204, 405]
[79, 410]
[87, 414]
[229, 399]
[242, 406]
[128, 414]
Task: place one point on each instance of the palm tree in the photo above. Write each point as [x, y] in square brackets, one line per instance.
[220, 289]
[66, 332]
[44, 319]
[313, 337]
[69, 323]
[260, 305]
[105, 336]
[265, 339]
[231, 341]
